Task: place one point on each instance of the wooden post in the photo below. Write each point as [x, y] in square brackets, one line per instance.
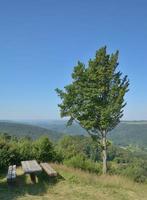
[33, 177]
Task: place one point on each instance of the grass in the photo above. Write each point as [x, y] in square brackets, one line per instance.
[72, 184]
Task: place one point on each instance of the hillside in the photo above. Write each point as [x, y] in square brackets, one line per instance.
[134, 133]
[21, 130]
[74, 185]
[126, 133]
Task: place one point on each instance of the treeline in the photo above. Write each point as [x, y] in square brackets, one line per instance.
[13, 150]
[75, 151]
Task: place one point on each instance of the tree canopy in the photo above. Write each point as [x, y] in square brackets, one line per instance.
[95, 98]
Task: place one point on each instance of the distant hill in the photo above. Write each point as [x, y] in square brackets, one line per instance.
[134, 133]
[21, 130]
[126, 133]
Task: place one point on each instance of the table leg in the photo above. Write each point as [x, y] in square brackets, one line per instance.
[33, 177]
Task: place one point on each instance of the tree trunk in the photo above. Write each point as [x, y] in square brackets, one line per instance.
[104, 152]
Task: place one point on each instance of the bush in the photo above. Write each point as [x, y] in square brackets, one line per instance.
[81, 162]
[25, 149]
[14, 150]
[43, 150]
[8, 153]
[70, 146]
[136, 170]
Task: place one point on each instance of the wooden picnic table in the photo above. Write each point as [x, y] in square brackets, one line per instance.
[31, 167]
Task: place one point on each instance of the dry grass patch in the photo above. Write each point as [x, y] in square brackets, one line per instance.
[72, 184]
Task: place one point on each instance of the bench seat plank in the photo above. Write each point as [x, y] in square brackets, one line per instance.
[11, 173]
[48, 169]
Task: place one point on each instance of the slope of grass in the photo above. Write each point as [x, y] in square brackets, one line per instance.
[72, 184]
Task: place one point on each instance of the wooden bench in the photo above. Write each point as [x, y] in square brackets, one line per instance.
[11, 176]
[48, 169]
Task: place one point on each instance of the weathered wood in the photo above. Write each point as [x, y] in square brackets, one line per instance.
[48, 169]
[33, 177]
[30, 166]
[11, 173]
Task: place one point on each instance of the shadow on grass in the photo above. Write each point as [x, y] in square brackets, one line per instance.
[23, 186]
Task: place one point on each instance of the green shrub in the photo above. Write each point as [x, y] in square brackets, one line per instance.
[136, 170]
[25, 149]
[83, 163]
[43, 150]
[14, 150]
[8, 153]
[70, 146]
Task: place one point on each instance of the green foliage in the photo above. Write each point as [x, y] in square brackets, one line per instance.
[8, 153]
[43, 149]
[80, 162]
[70, 146]
[25, 149]
[127, 133]
[136, 170]
[121, 161]
[95, 98]
[76, 151]
[14, 150]
[119, 155]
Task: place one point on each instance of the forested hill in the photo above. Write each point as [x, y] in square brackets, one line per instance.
[126, 133]
[21, 130]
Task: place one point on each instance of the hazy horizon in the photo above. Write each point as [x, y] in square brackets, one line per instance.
[61, 119]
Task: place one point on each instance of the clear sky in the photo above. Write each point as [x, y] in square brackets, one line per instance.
[42, 40]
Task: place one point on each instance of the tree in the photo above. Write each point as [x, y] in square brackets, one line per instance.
[95, 98]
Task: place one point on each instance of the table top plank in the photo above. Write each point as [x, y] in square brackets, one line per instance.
[30, 166]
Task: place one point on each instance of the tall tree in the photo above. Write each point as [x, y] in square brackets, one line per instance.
[95, 98]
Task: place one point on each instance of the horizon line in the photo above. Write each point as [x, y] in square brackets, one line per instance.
[17, 120]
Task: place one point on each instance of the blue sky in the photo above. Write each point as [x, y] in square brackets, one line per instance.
[42, 40]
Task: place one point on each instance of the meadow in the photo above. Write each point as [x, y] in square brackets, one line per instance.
[72, 184]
